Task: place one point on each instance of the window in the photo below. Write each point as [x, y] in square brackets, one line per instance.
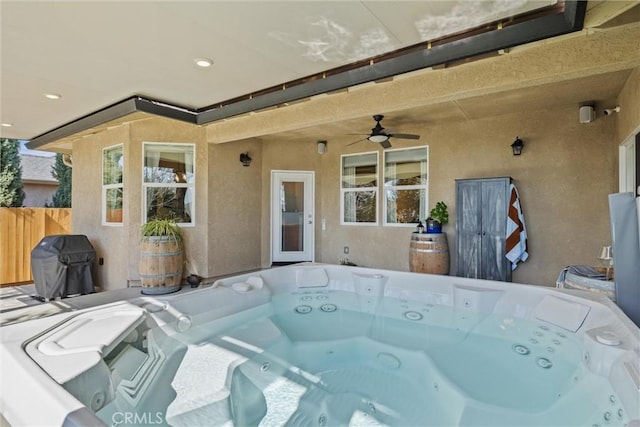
[359, 189]
[405, 185]
[168, 182]
[112, 185]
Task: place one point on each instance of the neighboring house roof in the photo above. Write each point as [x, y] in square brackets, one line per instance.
[37, 169]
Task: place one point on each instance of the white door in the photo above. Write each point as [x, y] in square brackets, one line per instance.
[292, 216]
[629, 152]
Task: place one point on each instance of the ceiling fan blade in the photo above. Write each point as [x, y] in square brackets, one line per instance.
[381, 136]
[355, 142]
[404, 136]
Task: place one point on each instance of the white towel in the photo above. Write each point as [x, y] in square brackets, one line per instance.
[516, 247]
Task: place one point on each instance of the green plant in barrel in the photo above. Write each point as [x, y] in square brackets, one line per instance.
[162, 227]
[439, 213]
[437, 218]
[161, 257]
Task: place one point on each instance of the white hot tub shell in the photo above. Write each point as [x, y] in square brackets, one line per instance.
[54, 370]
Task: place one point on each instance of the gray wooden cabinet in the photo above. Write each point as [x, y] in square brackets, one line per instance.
[481, 222]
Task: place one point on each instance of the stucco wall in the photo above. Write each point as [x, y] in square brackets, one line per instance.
[110, 242]
[228, 213]
[234, 208]
[297, 156]
[563, 176]
[119, 245]
[168, 131]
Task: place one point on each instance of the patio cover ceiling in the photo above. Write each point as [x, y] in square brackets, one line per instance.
[95, 54]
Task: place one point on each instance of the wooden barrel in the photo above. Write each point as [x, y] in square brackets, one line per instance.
[161, 261]
[429, 253]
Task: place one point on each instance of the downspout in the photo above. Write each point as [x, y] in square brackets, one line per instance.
[67, 159]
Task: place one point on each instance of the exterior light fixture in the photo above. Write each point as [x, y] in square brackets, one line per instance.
[322, 147]
[245, 159]
[517, 146]
[7, 125]
[52, 95]
[587, 113]
[203, 62]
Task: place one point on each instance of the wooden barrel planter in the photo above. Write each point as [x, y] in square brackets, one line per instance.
[429, 253]
[161, 262]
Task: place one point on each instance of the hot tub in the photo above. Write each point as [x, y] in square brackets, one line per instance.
[330, 345]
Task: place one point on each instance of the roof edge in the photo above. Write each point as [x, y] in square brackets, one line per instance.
[570, 19]
[115, 111]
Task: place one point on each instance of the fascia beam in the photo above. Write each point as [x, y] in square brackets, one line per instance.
[570, 20]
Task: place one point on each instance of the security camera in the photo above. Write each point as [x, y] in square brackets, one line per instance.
[610, 111]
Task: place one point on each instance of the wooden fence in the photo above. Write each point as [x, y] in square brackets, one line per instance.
[20, 231]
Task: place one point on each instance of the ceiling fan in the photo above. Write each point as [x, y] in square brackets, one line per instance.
[379, 135]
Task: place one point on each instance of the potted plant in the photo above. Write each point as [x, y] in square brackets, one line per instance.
[161, 256]
[437, 218]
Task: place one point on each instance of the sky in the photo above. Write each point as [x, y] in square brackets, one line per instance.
[24, 150]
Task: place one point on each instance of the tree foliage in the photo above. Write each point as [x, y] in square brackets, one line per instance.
[11, 193]
[61, 172]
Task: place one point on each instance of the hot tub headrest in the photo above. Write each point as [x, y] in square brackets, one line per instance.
[566, 314]
[313, 277]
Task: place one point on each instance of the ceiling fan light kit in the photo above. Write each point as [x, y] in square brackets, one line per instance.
[378, 138]
[378, 134]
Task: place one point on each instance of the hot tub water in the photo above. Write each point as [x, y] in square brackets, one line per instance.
[313, 358]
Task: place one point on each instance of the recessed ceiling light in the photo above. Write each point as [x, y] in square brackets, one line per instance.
[7, 125]
[52, 96]
[203, 62]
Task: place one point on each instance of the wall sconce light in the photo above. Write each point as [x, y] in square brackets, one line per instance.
[245, 159]
[517, 146]
[322, 147]
[587, 113]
